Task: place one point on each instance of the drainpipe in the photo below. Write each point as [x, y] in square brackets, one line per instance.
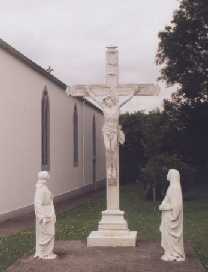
[83, 143]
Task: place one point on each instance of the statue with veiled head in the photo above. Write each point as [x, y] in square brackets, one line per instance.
[45, 218]
[171, 227]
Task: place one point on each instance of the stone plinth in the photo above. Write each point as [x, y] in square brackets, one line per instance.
[112, 231]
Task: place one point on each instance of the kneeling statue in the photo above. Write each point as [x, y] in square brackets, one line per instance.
[45, 218]
[171, 227]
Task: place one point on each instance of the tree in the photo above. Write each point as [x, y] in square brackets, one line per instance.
[183, 51]
[183, 55]
[132, 152]
[155, 173]
[147, 135]
[151, 149]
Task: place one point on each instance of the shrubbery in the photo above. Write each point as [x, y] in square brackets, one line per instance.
[153, 145]
[155, 172]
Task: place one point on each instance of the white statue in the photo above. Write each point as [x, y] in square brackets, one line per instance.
[172, 220]
[113, 228]
[112, 131]
[45, 218]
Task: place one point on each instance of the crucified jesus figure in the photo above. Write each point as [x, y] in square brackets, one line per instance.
[112, 131]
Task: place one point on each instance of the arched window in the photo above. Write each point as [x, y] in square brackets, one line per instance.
[94, 137]
[45, 131]
[76, 136]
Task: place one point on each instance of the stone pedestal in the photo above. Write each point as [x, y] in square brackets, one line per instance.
[112, 231]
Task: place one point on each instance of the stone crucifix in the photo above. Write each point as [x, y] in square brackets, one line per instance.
[113, 228]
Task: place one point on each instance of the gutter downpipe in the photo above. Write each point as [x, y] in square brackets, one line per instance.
[83, 143]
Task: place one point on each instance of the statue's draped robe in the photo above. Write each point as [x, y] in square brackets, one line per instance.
[172, 220]
[44, 210]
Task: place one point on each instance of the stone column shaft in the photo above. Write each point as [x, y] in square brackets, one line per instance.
[112, 81]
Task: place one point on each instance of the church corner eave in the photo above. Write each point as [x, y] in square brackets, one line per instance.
[82, 99]
[21, 57]
[91, 104]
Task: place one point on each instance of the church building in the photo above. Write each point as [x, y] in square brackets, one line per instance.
[41, 128]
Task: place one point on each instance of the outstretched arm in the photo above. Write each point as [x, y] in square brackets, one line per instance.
[93, 97]
[126, 101]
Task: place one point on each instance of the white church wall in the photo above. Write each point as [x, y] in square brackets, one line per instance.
[20, 136]
[100, 165]
[87, 134]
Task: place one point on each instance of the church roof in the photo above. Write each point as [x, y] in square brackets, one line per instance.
[17, 54]
[36, 67]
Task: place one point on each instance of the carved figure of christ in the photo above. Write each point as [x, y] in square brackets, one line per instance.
[112, 133]
[110, 105]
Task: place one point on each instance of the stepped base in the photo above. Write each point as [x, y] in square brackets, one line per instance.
[112, 231]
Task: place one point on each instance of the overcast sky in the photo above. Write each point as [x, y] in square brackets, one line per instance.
[71, 36]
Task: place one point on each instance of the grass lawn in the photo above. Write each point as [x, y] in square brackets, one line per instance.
[141, 215]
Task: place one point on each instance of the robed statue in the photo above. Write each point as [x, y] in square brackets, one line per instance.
[45, 218]
[172, 220]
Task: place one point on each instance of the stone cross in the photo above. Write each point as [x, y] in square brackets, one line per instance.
[113, 228]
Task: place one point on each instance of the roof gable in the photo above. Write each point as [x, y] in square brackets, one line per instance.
[21, 57]
[17, 54]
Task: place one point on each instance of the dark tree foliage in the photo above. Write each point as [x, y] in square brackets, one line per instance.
[151, 148]
[155, 174]
[178, 136]
[183, 51]
[189, 127]
[183, 55]
[147, 135]
[132, 152]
